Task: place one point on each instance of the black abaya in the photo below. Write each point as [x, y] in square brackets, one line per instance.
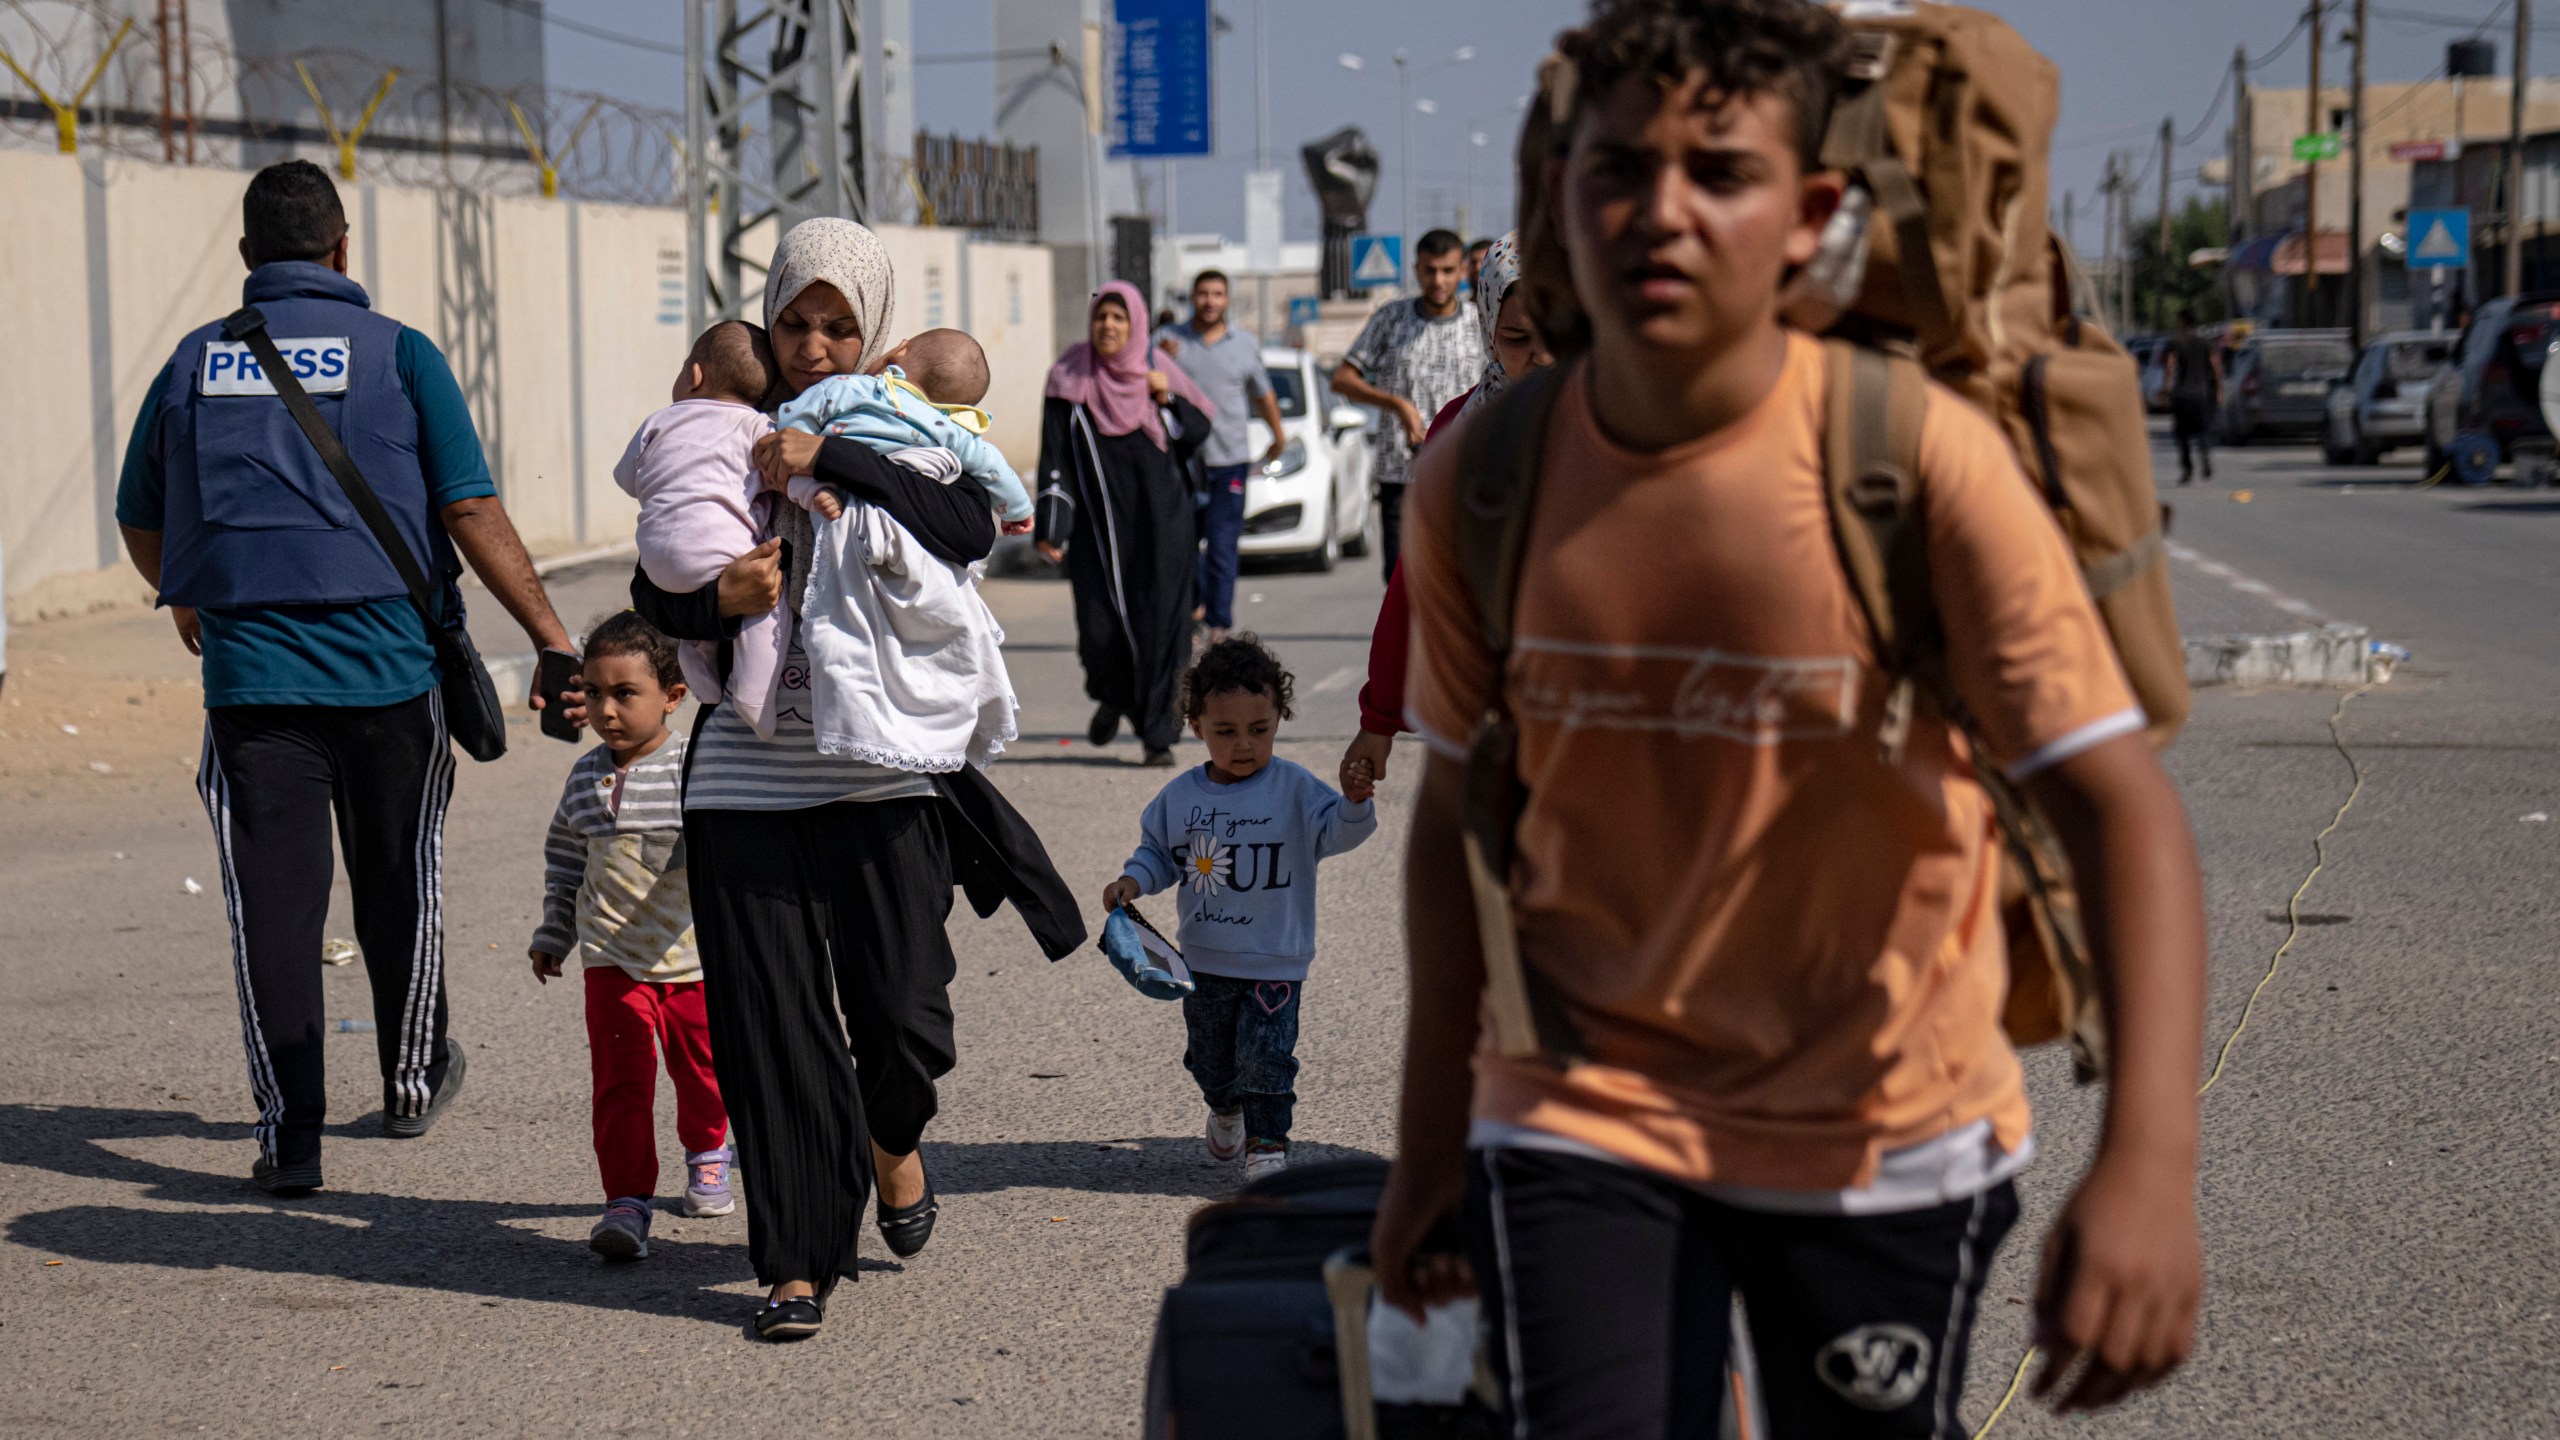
[1122, 510]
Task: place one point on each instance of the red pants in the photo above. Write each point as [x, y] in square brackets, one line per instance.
[628, 1022]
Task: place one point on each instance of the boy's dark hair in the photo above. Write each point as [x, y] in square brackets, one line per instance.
[1205, 276]
[627, 634]
[1438, 242]
[1479, 245]
[1239, 664]
[291, 212]
[1789, 48]
[737, 361]
[949, 366]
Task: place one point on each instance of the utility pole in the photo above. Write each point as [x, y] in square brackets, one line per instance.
[2123, 219]
[2241, 198]
[2070, 230]
[2168, 144]
[2355, 190]
[2311, 186]
[2515, 153]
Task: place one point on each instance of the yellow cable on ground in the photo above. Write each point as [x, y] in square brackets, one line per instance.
[2293, 932]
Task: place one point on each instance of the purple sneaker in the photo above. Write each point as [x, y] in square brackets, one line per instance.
[623, 1232]
[706, 1186]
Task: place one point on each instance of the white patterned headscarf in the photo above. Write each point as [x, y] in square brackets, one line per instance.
[852, 259]
[1494, 279]
[842, 254]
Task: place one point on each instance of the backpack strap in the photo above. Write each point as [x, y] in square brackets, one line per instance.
[1497, 501]
[1859, 142]
[1873, 405]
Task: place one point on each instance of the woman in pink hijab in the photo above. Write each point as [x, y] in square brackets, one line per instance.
[1116, 443]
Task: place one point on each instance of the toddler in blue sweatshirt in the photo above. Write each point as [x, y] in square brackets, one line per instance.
[1240, 837]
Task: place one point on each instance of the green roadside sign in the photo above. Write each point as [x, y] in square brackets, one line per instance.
[2308, 148]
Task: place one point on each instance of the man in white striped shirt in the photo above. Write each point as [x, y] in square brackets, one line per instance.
[615, 892]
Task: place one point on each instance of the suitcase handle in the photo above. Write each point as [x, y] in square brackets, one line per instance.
[1349, 1280]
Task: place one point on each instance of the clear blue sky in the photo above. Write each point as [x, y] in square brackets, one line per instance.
[2125, 64]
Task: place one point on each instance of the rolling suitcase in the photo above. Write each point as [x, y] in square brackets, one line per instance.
[1267, 1335]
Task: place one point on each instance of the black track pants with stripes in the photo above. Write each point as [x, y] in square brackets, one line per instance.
[1608, 1296]
[274, 778]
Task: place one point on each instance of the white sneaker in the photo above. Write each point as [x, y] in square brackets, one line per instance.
[1226, 1135]
[1258, 1163]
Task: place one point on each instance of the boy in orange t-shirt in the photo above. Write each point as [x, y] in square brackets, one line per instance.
[1781, 948]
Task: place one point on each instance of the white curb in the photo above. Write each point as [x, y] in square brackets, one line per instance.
[2334, 655]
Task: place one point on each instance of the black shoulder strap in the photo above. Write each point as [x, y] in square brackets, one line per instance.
[249, 327]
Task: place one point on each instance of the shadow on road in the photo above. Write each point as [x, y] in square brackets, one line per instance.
[487, 1248]
[466, 1247]
[2516, 507]
[1152, 1165]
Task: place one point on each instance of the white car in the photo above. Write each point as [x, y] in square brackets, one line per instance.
[1312, 503]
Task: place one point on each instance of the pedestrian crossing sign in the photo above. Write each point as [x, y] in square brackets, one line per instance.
[1376, 260]
[2439, 239]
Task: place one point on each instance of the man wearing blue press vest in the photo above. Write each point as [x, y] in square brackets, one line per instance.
[320, 677]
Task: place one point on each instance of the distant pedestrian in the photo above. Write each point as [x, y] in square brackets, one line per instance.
[2194, 378]
[613, 894]
[321, 696]
[1413, 357]
[1514, 349]
[1240, 839]
[1476, 251]
[1114, 509]
[1227, 365]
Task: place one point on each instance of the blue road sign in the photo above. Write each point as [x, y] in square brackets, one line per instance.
[1376, 260]
[2439, 239]
[1305, 310]
[1161, 79]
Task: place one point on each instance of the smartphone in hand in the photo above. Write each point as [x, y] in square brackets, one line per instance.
[556, 673]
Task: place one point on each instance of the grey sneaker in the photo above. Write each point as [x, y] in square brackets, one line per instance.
[410, 1127]
[623, 1231]
[706, 1186]
[1226, 1134]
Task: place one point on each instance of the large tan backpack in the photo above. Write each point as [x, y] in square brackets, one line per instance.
[1939, 266]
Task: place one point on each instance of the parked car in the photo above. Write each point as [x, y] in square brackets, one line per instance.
[2277, 382]
[2151, 355]
[2382, 404]
[1312, 503]
[2493, 385]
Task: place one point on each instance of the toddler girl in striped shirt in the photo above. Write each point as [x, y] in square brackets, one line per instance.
[614, 892]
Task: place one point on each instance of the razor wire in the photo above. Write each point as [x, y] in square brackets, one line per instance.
[85, 74]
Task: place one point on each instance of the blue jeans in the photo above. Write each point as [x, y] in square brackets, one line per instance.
[1244, 1039]
[1221, 521]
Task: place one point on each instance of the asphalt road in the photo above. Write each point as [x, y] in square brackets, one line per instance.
[2379, 1157]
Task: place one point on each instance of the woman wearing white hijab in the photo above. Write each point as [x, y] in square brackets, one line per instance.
[820, 884]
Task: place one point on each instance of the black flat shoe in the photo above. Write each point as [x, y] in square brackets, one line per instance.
[285, 1181]
[908, 1227]
[1105, 725]
[796, 1319]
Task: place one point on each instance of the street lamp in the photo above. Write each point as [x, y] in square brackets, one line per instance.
[1405, 108]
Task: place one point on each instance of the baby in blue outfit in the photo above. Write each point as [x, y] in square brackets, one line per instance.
[1241, 836]
[927, 395]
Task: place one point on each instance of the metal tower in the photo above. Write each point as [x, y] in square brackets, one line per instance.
[795, 65]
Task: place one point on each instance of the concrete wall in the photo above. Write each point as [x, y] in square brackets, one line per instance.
[563, 321]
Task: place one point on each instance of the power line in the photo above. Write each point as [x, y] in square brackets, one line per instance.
[598, 32]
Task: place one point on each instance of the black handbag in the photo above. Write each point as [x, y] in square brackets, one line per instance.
[473, 714]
